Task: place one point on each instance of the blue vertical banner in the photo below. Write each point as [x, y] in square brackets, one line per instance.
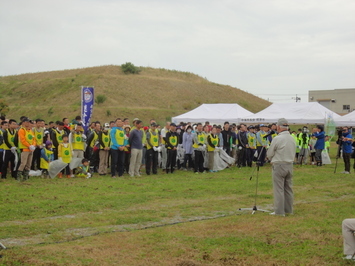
[87, 105]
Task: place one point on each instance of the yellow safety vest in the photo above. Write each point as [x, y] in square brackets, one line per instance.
[252, 140]
[92, 144]
[39, 136]
[265, 141]
[59, 136]
[66, 154]
[120, 137]
[29, 136]
[77, 141]
[214, 142]
[173, 141]
[44, 164]
[201, 138]
[10, 139]
[106, 140]
[3, 145]
[154, 139]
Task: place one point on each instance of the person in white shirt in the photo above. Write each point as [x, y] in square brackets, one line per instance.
[281, 154]
[348, 229]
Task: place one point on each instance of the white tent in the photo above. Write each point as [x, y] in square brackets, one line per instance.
[346, 120]
[214, 113]
[295, 113]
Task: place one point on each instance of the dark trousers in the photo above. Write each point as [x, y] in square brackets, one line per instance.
[319, 157]
[250, 156]
[171, 160]
[127, 161]
[241, 157]
[36, 159]
[117, 162]
[199, 161]
[66, 170]
[94, 158]
[346, 158]
[55, 153]
[8, 157]
[151, 161]
[188, 160]
[261, 155]
[2, 153]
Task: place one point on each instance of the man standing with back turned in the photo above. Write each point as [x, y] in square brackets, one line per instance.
[281, 154]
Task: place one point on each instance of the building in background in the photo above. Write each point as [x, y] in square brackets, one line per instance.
[341, 101]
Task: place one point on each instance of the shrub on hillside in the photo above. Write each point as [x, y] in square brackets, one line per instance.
[130, 68]
[4, 107]
[100, 99]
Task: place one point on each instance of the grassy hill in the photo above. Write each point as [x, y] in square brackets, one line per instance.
[153, 93]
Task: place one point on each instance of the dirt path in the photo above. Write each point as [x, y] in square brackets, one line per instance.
[76, 233]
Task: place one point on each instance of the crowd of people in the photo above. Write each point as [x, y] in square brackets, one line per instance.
[118, 147]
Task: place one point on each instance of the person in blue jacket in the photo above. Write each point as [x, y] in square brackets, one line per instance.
[319, 133]
[347, 149]
[118, 143]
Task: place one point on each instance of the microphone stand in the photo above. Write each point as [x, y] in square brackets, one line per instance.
[255, 209]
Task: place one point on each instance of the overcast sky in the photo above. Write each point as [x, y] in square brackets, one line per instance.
[267, 48]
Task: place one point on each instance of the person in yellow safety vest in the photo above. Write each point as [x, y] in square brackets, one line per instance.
[27, 144]
[298, 148]
[74, 122]
[294, 135]
[212, 143]
[118, 142]
[105, 142]
[93, 148]
[4, 127]
[303, 143]
[10, 149]
[77, 139]
[171, 142]
[65, 152]
[152, 150]
[252, 145]
[57, 137]
[262, 144]
[199, 145]
[39, 135]
[46, 158]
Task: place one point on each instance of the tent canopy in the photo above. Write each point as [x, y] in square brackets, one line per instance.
[346, 120]
[295, 113]
[214, 113]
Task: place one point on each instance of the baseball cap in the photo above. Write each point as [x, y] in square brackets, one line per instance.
[282, 122]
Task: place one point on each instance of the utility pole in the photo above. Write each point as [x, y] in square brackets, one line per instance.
[296, 98]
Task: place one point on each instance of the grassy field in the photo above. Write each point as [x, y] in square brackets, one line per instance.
[154, 93]
[179, 219]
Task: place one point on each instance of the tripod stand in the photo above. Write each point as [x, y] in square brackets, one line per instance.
[257, 167]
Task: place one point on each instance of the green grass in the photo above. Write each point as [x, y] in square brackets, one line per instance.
[179, 219]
